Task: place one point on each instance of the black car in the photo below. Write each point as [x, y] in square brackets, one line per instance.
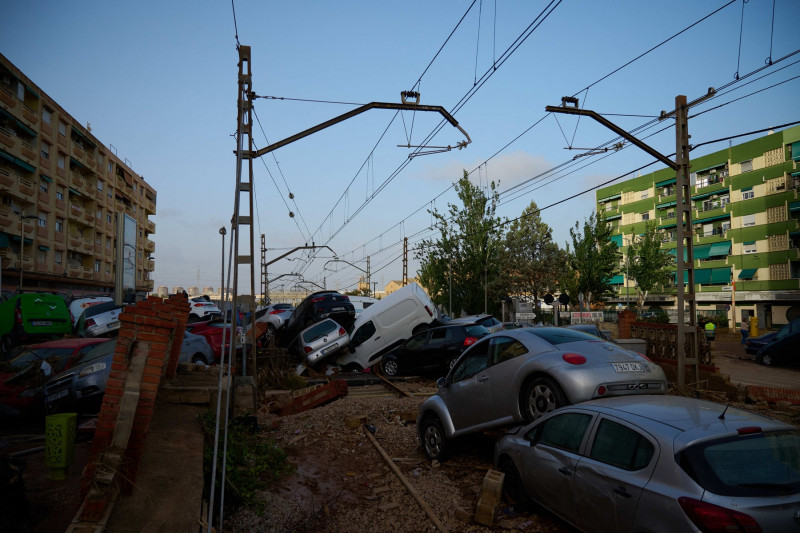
[592, 329]
[753, 344]
[316, 307]
[433, 349]
[784, 347]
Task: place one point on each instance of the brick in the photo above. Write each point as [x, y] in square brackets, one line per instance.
[493, 485]
[150, 378]
[484, 513]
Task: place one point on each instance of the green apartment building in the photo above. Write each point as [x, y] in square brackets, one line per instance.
[746, 228]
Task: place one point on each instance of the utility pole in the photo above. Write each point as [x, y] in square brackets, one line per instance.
[369, 278]
[686, 331]
[264, 278]
[405, 261]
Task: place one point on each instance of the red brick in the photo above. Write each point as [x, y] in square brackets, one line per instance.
[149, 378]
[157, 337]
[115, 383]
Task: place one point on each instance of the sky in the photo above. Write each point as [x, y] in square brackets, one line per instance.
[158, 82]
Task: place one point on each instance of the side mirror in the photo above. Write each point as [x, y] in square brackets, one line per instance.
[440, 382]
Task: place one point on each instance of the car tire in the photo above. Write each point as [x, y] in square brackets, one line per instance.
[434, 441]
[389, 367]
[6, 343]
[199, 359]
[767, 360]
[513, 489]
[540, 396]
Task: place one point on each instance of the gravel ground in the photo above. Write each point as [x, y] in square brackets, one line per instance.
[343, 484]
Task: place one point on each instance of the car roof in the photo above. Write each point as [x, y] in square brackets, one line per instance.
[688, 419]
[69, 343]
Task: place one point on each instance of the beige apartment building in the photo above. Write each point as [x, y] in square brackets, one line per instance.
[74, 217]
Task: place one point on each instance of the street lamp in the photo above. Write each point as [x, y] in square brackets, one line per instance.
[22, 244]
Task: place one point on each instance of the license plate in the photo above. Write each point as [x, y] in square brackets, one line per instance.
[41, 323]
[55, 396]
[629, 367]
[337, 308]
[330, 348]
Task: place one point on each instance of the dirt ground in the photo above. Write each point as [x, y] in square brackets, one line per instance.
[343, 484]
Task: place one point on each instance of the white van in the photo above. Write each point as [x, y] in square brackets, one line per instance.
[362, 302]
[386, 324]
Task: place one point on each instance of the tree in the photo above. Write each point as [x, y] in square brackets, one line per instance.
[465, 251]
[647, 263]
[530, 261]
[593, 259]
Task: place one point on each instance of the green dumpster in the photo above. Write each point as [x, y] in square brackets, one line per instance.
[59, 443]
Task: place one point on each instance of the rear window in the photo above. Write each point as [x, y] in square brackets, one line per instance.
[318, 330]
[556, 336]
[101, 308]
[476, 331]
[761, 464]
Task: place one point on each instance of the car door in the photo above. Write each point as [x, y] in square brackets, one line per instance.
[469, 393]
[550, 463]
[411, 354]
[610, 478]
[784, 344]
[505, 359]
[434, 352]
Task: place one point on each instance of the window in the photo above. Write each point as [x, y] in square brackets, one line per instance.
[44, 185]
[108, 217]
[565, 431]
[505, 348]
[645, 194]
[747, 195]
[99, 214]
[749, 247]
[59, 194]
[42, 220]
[60, 225]
[59, 257]
[645, 216]
[62, 128]
[20, 91]
[110, 166]
[746, 166]
[45, 115]
[99, 185]
[416, 341]
[45, 150]
[108, 243]
[97, 266]
[473, 361]
[362, 334]
[620, 446]
[748, 220]
[61, 161]
[41, 256]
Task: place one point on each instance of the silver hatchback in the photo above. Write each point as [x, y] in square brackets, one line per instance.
[658, 464]
[321, 340]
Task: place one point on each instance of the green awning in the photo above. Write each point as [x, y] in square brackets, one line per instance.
[45, 178]
[794, 174]
[5, 155]
[43, 248]
[703, 275]
[745, 189]
[665, 205]
[685, 276]
[4, 242]
[18, 122]
[721, 275]
[668, 226]
[34, 93]
[711, 167]
[746, 243]
[794, 233]
[710, 219]
[796, 151]
[666, 182]
[617, 280]
[15, 238]
[719, 249]
[701, 251]
[613, 217]
[674, 251]
[84, 137]
[76, 162]
[617, 239]
[22, 164]
[609, 198]
[73, 191]
[747, 273]
[794, 206]
[712, 193]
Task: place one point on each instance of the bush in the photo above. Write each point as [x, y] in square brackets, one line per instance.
[660, 317]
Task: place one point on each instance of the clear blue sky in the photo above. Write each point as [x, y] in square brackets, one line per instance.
[158, 81]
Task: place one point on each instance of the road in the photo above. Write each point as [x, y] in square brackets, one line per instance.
[729, 356]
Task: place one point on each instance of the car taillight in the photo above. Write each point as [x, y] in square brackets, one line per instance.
[346, 298]
[748, 430]
[277, 311]
[317, 299]
[711, 518]
[573, 358]
[307, 349]
[428, 309]
[342, 331]
[643, 356]
[601, 390]
[90, 322]
[469, 341]
[18, 315]
[198, 305]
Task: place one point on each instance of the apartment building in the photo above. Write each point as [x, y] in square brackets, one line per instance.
[74, 217]
[746, 228]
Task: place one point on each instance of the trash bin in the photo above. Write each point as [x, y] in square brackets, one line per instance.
[754, 326]
[59, 443]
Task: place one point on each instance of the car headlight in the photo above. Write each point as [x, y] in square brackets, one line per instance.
[91, 369]
[30, 393]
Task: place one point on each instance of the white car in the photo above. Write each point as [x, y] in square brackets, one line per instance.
[200, 308]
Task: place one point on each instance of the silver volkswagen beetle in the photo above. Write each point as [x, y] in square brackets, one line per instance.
[519, 375]
[660, 464]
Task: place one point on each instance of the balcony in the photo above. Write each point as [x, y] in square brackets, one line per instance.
[150, 206]
[150, 226]
[149, 246]
[8, 138]
[74, 270]
[7, 216]
[75, 241]
[75, 211]
[27, 190]
[28, 151]
[151, 265]
[7, 178]
[712, 236]
[712, 210]
[88, 217]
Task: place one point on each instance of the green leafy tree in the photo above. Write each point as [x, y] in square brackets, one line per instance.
[466, 250]
[531, 262]
[647, 263]
[593, 259]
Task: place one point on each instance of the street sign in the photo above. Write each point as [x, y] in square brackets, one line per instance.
[526, 316]
[548, 298]
[564, 298]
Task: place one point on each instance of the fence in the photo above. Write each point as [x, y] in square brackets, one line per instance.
[662, 341]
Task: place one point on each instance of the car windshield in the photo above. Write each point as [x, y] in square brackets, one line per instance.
[318, 330]
[761, 464]
[476, 331]
[32, 357]
[556, 336]
[99, 350]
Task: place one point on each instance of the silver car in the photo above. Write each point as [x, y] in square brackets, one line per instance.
[321, 340]
[519, 375]
[99, 320]
[487, 321]
[658, 464]
[195, 349]
[275, 316]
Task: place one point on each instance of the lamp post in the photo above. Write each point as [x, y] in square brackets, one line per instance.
[222, 275]
[22, 218]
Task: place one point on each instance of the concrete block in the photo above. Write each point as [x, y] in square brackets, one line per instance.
[492, 488]
[463, 515]
[355, 421]
[484, 512]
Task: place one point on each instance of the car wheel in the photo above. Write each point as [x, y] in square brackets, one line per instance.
[389, 367]
[540, 396]
[269, 336]
[193, 318]
[6, 343]
[434, 442]
[199, 359]
[512, 484]
[766, 360]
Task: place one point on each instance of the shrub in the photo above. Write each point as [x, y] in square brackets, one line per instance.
[660, 317]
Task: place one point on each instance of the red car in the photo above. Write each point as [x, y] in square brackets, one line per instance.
[212, 331]
[22, 377]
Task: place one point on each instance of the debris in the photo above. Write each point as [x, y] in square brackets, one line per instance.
[463, 515]
[355, 421]
[490, 497]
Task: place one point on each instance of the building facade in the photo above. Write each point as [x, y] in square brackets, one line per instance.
[74, 218]
[746, 229]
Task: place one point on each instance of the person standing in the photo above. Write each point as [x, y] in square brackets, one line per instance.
[745, 329]
[711, 331]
